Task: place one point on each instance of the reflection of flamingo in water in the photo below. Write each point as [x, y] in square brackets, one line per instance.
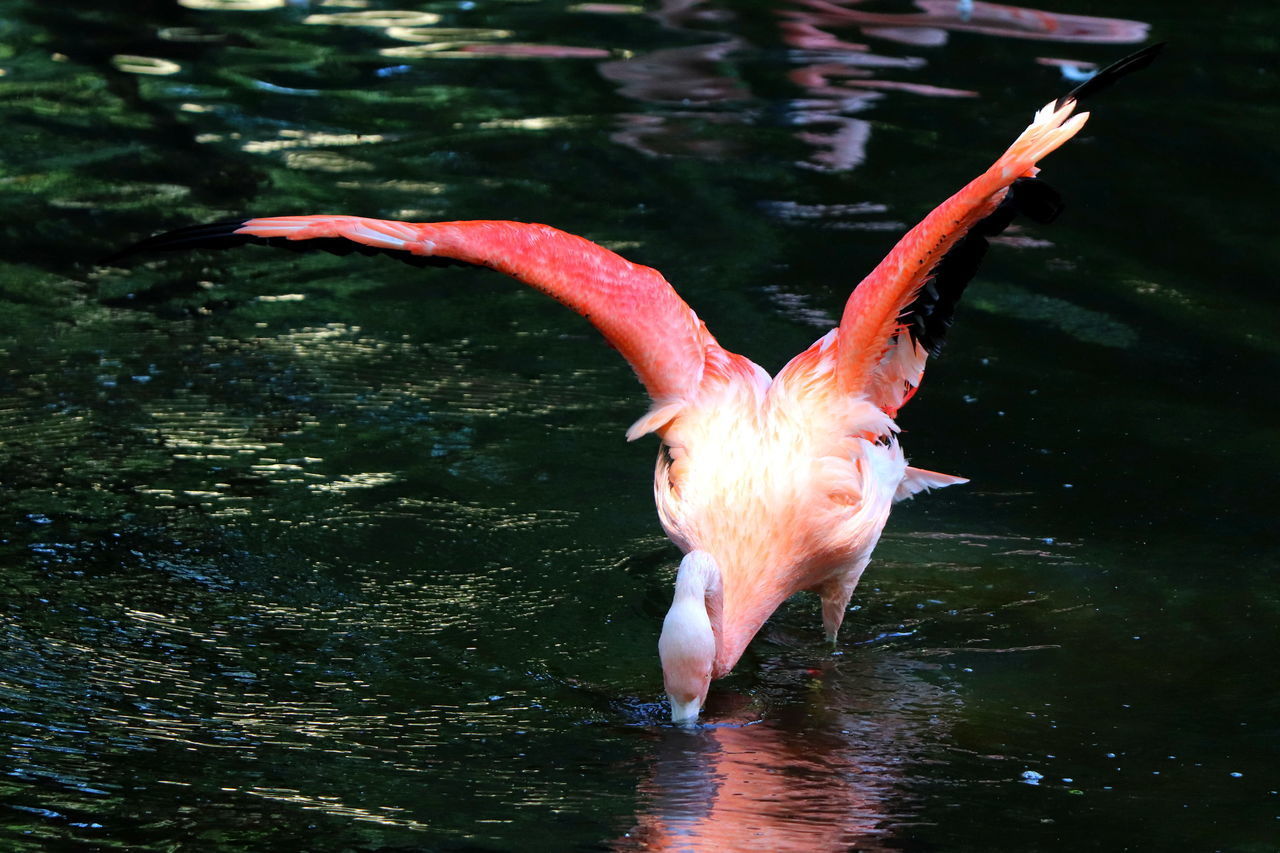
[770, 485]
[837, 79]
[821, 772]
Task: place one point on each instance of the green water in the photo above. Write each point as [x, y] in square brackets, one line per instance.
[315, 553]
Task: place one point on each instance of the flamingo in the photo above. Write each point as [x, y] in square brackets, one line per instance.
[768, 485]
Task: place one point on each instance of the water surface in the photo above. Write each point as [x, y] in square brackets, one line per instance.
[335, 554]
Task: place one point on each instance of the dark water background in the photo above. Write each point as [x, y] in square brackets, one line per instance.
[334, 554]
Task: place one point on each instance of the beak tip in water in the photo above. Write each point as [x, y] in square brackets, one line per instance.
[685, 713]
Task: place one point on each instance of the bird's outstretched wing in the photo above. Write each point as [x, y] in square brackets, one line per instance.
[899, 314]
[635, 308]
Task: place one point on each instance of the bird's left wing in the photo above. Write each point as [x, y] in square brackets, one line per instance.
[899, 314]
[633, 306]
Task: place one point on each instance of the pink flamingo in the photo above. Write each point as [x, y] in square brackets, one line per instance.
[769, 485]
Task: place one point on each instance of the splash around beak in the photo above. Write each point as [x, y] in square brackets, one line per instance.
[688, 642]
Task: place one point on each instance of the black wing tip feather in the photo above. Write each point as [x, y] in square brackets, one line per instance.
[1107, 77]
[222, 235]
[211, 235]
[1036, 200]
[930, 314]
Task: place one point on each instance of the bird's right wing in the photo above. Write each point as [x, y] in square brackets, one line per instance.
[633, 306]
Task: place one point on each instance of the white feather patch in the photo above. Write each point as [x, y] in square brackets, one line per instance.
[918, 480]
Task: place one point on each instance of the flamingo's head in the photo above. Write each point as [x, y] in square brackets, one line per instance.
[688, 642]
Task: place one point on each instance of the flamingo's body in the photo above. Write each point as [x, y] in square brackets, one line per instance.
[769, 486]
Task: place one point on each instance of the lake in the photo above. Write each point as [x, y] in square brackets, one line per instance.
[315, 553]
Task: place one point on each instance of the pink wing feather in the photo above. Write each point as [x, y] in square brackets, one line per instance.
[633, 306]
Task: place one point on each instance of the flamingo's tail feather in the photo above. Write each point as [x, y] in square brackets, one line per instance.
[917, 480]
